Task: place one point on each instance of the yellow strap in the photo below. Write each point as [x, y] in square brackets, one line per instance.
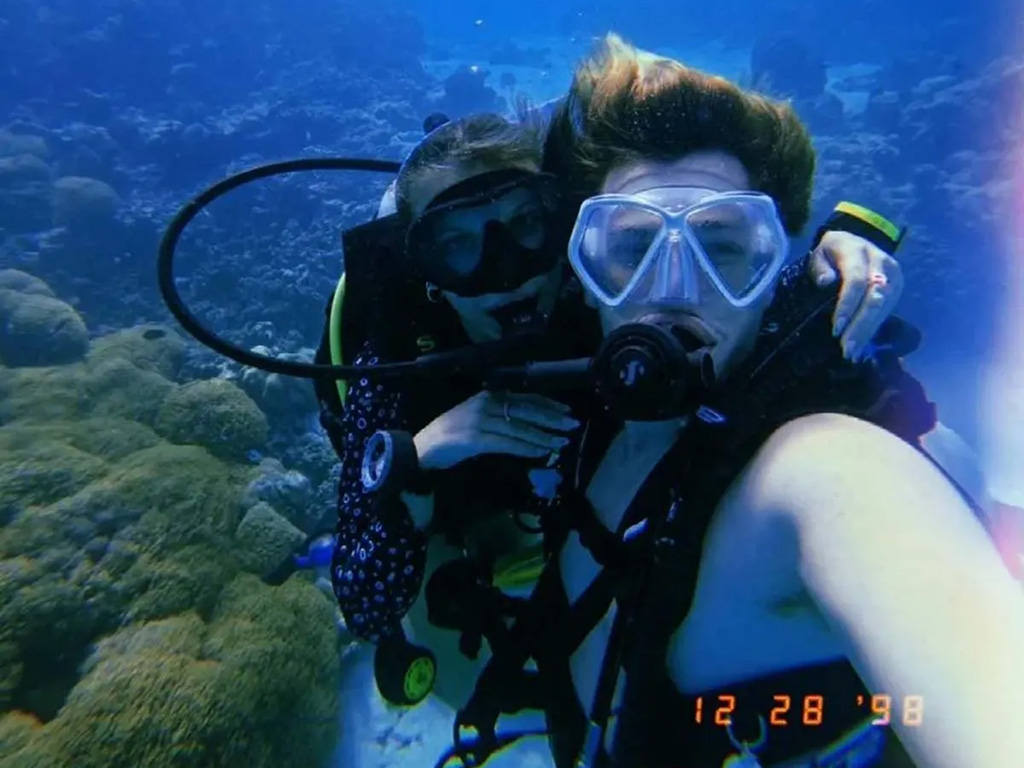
[519, 570]
[868, 216]
[864, 738]
[334, 335]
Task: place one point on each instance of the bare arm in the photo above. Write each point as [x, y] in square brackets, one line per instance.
[908, 579]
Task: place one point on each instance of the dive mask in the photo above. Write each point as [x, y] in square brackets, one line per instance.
[487, 234]
[665, 246]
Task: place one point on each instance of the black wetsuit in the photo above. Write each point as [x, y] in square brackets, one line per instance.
[380, 557]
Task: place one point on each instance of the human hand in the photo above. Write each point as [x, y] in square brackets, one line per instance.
[490, 422]
[872, 282]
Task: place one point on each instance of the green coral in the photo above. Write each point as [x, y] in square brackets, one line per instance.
[22, 144]
[79, 200]
[25, 193]
[111, 387]
[184, 692]
[118, 388]
[215, 414]
[192, 579]
[23, 282]
[108, 438]
[40, 330]
[266, 539]
[16, 730]
[154, 348]
[23, 169]
[35, 470]
[129, 634]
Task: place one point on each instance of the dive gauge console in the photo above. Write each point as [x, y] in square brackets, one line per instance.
[391, 464]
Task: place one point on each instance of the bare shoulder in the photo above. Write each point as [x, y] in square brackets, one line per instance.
[818, 431]
[839, 463]
[833, 443]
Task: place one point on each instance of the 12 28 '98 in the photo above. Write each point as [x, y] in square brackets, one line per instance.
[811, 711]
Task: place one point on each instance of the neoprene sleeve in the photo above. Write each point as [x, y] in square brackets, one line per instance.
[377, 569]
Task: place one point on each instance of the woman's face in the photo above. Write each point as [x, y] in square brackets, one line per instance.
[733, 330]
[461, 236]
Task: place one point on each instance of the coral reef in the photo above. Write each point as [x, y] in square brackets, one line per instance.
[266, 539]
[286, 490]
[79, 201]
[215, 414]
[287, 401]
[130, 631]
[25, 193]
[154, 348]
[36, 328]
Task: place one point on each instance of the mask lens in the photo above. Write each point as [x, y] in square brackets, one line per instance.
[448, 241]
[443, 247]
[615, 240]
[741, 242]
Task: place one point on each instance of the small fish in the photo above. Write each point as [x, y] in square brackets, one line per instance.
[318, 554]
[545, 482]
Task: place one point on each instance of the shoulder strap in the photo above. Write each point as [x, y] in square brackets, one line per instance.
[376, 283]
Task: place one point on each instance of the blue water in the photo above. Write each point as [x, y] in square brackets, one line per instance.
[912, 112]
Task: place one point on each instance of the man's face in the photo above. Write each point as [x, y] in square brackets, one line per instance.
[731, 331]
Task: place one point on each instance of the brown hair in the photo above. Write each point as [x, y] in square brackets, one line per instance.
[485, 139]
[626, 104]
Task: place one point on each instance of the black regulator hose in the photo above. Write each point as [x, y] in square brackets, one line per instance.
[435, 364]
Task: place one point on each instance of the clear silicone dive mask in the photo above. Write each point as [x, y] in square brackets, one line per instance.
[663, 246]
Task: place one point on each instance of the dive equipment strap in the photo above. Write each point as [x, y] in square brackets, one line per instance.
[647, 541]
[863, 222]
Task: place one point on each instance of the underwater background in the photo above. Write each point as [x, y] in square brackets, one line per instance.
[149, 489]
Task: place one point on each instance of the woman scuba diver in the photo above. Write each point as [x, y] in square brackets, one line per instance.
[474, 253]
[774, 574]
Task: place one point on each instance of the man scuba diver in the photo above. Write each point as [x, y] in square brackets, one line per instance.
[739, 578]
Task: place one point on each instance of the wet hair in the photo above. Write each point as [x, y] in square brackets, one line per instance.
[626, 105]
[487, 140]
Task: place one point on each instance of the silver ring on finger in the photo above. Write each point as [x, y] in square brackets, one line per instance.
[507, 410]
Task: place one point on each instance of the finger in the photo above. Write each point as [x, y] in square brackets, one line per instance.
[853, 272]
[820, 267]
[538, 400]
[879, 302]
[864, 324]
[540, 416]
[531, 408]
[490, 442]
[527, 433]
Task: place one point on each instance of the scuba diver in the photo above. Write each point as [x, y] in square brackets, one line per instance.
[772, 572]
[472, 253]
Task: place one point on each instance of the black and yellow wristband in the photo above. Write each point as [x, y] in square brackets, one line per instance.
[863, 222]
